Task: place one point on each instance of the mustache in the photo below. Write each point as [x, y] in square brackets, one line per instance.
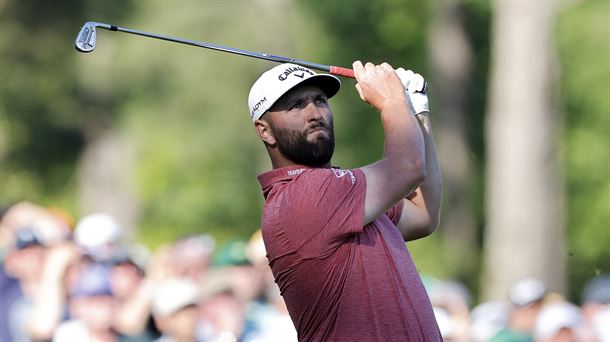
[319, 124]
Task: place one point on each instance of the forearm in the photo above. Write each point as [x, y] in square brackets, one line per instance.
[422, 213]
[132, 315]
[432, 187]
[402, 167]
[48, 305]
[404, 147]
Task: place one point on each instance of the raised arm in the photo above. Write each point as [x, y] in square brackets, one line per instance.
[402, 167]
[51, 296]
[421, 212]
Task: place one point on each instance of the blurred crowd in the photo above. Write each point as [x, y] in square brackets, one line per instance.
[84, 280]
[90, 283]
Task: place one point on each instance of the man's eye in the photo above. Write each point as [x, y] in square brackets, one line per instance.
[320, 100]
[297, 105]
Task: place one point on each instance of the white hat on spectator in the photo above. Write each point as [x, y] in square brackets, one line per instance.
[100, 234]
[556, 316]
[487, 319]
[526, 291]
[601, 324]
[445, 322]
[196, 247]
[173, 295]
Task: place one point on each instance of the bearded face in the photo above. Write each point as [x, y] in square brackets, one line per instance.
[301, 127]
[313, 146]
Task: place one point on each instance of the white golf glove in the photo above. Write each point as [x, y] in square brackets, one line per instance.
[416, 90]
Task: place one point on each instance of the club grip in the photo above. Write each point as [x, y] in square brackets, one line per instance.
[335, 70]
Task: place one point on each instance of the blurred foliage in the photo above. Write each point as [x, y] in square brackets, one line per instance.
[41, 113]
[185, 111]
[583, 39]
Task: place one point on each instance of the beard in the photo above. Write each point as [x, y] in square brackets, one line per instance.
[294, 145]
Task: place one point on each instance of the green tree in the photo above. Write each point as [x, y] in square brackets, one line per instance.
[41, 116]
[584, 50]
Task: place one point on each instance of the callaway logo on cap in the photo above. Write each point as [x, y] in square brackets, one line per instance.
[279, 80]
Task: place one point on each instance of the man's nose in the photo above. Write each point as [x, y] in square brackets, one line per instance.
[313, 112]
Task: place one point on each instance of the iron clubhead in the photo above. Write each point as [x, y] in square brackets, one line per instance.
[85, 41]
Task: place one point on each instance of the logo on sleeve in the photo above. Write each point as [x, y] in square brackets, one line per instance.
[340, 173]
[295, 172]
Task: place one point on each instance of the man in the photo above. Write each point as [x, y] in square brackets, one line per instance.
[335, 238]
[526, 296]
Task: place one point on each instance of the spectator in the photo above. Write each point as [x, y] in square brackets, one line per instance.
[526, 296]
[127, 272]
[601, 327]
[101, 236]
[175, 310]
[267, 317]
[271, 320]
[27, 231]
[451, 298]
[488, 319]
[595, 306]
[61, 264]
[134, 317]
[558, 322]
[90, 307]
[24, 264]
[597, 292]
[191, 257]
[221, 317]
[98, 239]
[23, 214]
[100, 287]
[446, 325]
[127, 278]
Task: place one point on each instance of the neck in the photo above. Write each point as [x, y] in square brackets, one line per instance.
[279, 161]
[278, 164]
[288, 163]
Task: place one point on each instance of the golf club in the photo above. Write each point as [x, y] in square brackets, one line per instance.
[86, 39]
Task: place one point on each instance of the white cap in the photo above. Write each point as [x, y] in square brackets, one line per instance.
[446, 323]
[100, 235]
[554, 317]
[274, 83]
[600, 324]
[526, 291]
[173, 295]
[487, 319]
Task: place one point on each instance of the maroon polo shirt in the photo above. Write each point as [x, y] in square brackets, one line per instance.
[341, 281]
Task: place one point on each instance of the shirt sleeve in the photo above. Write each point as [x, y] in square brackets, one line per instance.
[323, 207]
[395, 212]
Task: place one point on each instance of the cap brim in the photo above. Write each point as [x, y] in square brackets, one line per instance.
[329, 84]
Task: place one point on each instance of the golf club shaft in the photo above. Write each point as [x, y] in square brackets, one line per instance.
[327, 68]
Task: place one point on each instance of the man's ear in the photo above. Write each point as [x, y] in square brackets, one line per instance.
[263, 130]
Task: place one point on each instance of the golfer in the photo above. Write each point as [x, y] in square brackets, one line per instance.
[335, 238]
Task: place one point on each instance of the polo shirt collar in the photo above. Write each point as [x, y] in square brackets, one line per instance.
[284, 174]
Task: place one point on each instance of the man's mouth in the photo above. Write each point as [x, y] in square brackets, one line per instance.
[319, 128]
